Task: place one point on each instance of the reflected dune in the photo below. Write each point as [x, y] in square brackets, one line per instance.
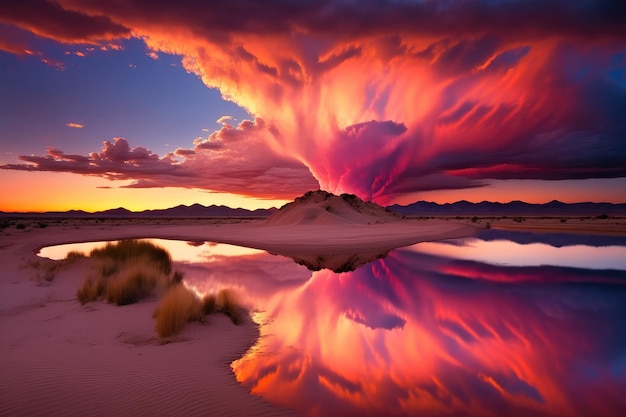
[336, 262]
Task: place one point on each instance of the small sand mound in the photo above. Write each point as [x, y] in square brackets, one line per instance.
[323, 208]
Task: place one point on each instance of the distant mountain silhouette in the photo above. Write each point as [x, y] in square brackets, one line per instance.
[420, 208]
[514, 208]
[181, 211]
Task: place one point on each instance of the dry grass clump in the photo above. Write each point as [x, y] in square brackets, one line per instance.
[132, 284]
[46, 269]
[178, 307]
[127, 251]
[228, 304]
[126, 272]
[75, 255]
[209, 304]
[224, 302]
[91, 290]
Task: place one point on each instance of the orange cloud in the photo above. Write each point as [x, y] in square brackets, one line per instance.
[75, 125]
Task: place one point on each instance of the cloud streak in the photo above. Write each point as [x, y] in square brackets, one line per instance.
[243, 166]
[382, 99]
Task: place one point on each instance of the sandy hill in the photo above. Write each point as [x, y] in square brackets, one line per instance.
[323, 208]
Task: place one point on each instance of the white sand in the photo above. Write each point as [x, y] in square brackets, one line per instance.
[58, 358]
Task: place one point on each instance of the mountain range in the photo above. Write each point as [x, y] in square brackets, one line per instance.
[513, 208]
[195, 210]
[420, 208]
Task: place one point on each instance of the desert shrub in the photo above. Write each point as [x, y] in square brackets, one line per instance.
[50, 270]
[474, 219]
[563, 220]
[602, 217]
[132, 284]
[42, 225]
[178, 307]
[209, 304]
[20, 226]
[127, 251]
[227, 303]
[74, 255]
[488, 225]
[90, 291]
[127, 271]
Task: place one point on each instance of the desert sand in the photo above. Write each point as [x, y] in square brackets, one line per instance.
[61, 358]
[611, 226]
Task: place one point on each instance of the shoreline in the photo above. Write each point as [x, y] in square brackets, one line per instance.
[276, 239]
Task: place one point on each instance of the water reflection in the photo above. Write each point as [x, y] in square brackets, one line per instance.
[553, 239]
[430, 330]
[536, 251]
[183, 251]
[411, 334]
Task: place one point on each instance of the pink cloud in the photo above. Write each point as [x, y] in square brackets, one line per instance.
[244, 166]
[75, 125]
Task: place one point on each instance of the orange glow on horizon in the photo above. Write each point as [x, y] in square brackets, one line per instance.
[41, 192]
[529, 191]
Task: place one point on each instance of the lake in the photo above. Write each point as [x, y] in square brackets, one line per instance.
[505, 323]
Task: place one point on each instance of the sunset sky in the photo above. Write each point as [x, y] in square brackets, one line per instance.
[151, 104]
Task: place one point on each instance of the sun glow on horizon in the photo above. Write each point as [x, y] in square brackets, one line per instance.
[89, 194]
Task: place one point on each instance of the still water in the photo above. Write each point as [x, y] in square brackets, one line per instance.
[506, 323]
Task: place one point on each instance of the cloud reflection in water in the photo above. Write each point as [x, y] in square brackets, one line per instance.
[418, 333]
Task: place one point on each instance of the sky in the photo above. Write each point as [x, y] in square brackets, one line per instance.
[152, 104]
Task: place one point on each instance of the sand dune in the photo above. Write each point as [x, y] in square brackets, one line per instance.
[323, 208]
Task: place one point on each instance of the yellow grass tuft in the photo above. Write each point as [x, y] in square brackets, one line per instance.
[89, 291]
[126, 272]
[178, 307]
[75, 255]
[209, 304]
[132, 284]
[228, 304]
[126, 251]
